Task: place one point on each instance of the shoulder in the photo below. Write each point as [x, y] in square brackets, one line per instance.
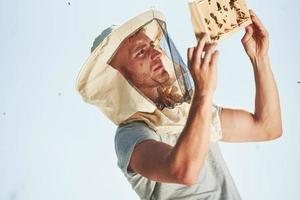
[133, 124]
[132, 133]
[133, 127]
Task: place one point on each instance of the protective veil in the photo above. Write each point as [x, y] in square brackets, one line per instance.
[120, 99]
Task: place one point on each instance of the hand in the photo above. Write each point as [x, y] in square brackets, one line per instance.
[203, 68]
[256, 38]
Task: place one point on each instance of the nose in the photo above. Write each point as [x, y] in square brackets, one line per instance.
[156, 54]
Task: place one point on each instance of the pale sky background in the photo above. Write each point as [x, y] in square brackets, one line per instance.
[53, 146]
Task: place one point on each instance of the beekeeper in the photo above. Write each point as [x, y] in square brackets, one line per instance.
[168, 127]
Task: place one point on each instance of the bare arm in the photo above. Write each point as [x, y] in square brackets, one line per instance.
[183, 162]
[265, 122]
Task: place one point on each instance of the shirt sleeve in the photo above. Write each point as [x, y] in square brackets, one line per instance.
[127, 136]
[216, 130]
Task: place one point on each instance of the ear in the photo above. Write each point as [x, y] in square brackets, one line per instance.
[114, 62]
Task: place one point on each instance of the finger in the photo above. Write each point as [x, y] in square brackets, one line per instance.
[199, 49]
[190, 55]
[208, 55]
[248, 33]
[257, 22]
[214, 58]
[206, 47]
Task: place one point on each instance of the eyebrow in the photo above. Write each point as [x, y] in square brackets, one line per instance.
[138, 47]
[141, 46]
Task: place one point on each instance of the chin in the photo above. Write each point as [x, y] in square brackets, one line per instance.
[164, 77]
[161, 77]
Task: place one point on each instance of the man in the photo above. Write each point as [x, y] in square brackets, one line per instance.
[187, 165]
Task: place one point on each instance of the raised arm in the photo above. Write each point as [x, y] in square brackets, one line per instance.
[182, 163]
[265, 122]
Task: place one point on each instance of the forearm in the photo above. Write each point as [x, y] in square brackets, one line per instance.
[267, 104]
[189, 153]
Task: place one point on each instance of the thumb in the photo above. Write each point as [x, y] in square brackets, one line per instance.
[190, 55]
[248, 34]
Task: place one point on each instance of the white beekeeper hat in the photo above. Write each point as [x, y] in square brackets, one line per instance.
[105, 87]
[102, 85]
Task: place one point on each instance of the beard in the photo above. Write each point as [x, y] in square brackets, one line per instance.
[168, 95]
[161, 78]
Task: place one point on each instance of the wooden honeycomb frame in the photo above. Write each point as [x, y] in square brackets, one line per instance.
[219, 18]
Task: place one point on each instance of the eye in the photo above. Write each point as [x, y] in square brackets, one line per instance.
[140, 53]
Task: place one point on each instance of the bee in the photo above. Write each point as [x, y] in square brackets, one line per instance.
[219, 6]
[207, 21]
[215, 37]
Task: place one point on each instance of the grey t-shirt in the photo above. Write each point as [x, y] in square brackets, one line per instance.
[214, 182]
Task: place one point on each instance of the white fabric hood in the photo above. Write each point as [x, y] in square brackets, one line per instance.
[105, 87]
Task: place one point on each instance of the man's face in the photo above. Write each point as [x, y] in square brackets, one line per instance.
[140, 62]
